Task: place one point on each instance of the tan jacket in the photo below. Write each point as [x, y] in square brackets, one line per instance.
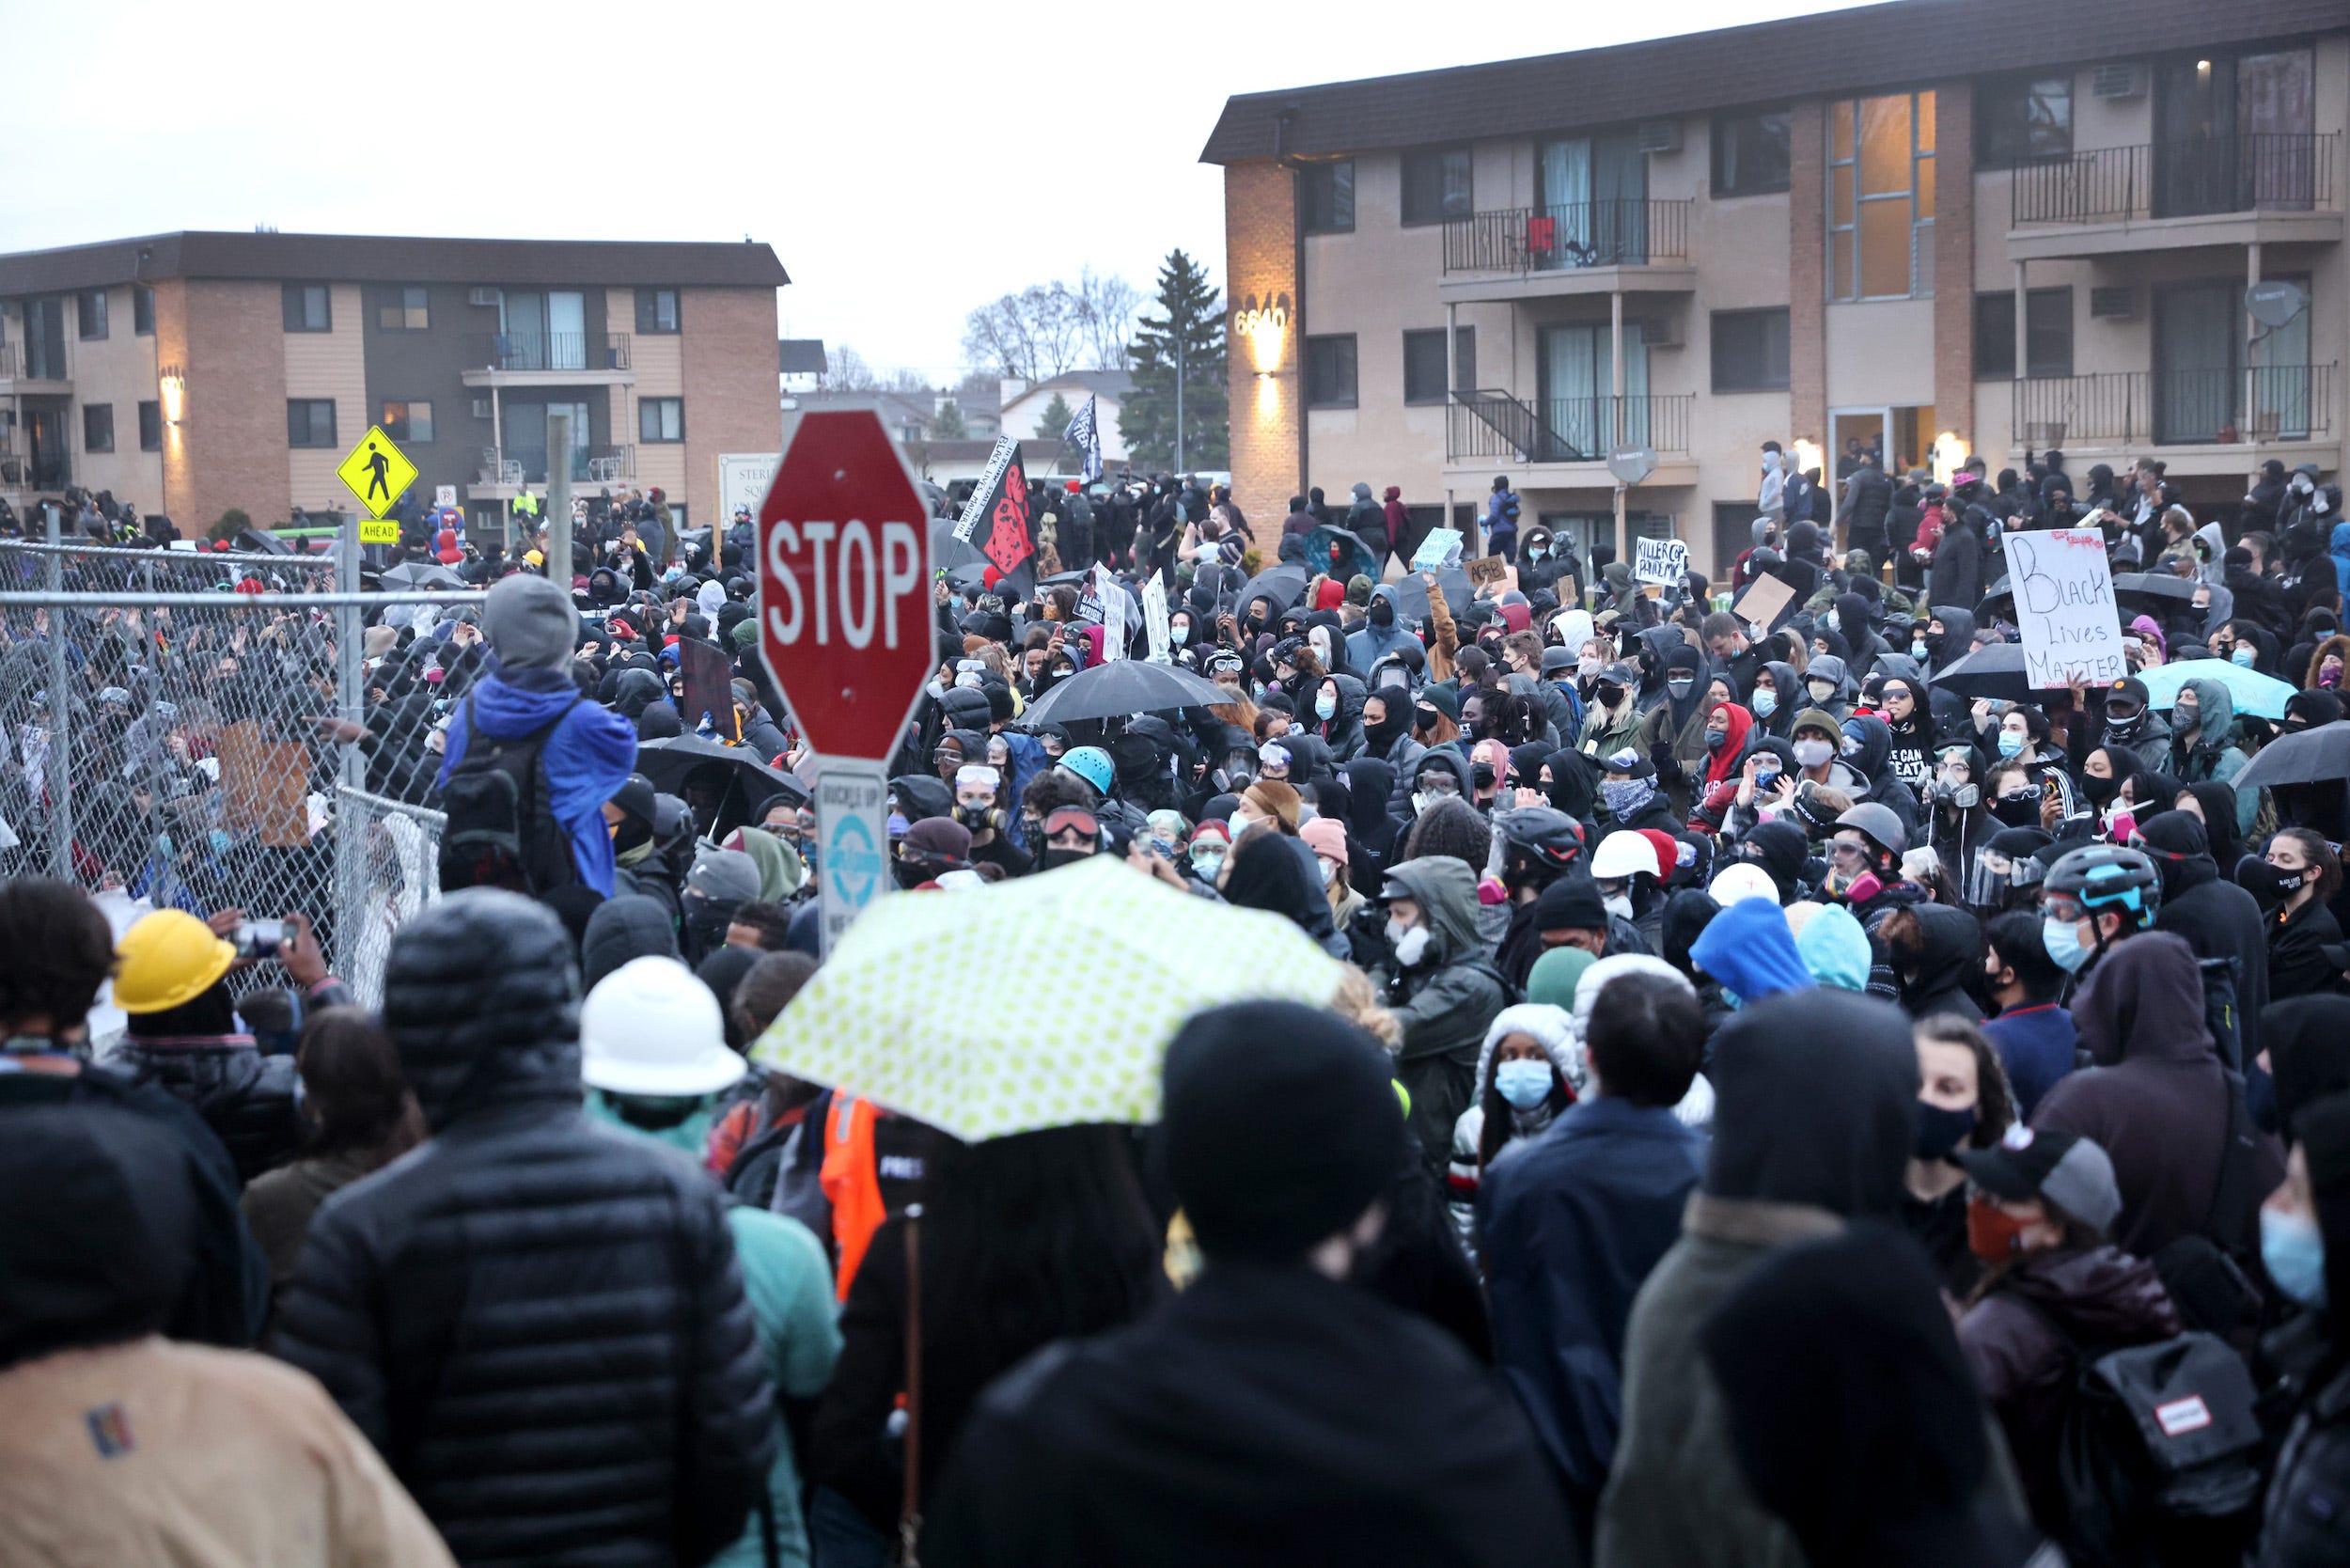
[156, 1453]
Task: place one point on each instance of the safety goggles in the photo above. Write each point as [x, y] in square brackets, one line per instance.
[1074, 822]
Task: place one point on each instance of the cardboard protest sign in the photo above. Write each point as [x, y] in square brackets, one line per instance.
[1486, 569]
[1660, 560]
[1765, 602]
[2064, 606]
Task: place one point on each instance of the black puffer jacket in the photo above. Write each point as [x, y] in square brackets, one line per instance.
[539, 1324]
[246, 1098]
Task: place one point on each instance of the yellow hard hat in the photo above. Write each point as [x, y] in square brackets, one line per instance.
[168, 960]
[534, 557]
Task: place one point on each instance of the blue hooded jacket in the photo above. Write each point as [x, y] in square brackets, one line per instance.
[1748, 948]
[586, 761]
[2337, 546]
[1367, 644]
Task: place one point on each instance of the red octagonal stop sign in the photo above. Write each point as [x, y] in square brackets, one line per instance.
[844, 586]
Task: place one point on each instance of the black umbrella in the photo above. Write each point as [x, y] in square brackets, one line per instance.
[744, 780]
[2307, 757]
[1995, 671]
[1121, 687]
[1279, 586]
[948, 552]
[2153, 585]
[1411, 593]
[1059, 578]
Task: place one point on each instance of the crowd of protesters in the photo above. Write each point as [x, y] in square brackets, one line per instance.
[1785, 1104]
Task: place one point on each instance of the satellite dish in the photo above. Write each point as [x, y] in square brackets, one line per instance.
[1631, 465]
[2274, 303]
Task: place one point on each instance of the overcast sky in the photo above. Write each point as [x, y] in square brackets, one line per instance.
[906, 160]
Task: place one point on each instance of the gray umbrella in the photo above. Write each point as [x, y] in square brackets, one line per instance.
[1279, 586]
[2307, 757]
[1411, 593]
[1121, 687]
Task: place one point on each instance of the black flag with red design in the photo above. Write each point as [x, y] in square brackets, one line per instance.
[1009, 542]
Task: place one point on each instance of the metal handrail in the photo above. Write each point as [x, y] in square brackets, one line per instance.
[1630, 232]
[2185, 177]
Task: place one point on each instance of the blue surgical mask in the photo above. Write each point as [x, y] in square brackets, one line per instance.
[2241, 656]
[2064, 943]
[1524, 1084]
[1765, 703]
[2293, 1251]
[1917, 648]
[1326, 706]
[2011, 743]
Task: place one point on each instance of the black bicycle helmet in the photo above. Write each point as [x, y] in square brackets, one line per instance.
[1541, 836]
[2107, 878]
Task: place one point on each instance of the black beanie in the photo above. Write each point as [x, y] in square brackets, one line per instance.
[1570, 903]
[1282, 1126]
[999, 702]
[1779, 849]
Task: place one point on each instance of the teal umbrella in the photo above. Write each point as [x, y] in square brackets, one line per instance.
[1356, 557]
[2260, 696]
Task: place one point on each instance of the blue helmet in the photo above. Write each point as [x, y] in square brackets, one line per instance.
[1092, 764]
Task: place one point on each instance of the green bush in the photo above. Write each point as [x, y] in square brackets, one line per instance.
[232, 523]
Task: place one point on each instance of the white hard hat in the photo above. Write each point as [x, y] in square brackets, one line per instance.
[1622, 854]
[652, 1027]
[1743, 880]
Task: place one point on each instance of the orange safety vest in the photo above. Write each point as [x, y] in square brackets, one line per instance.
[851, 1182]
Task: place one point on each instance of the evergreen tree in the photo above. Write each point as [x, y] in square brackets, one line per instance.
[1187, 331]
[947, 424]
[1053, 424]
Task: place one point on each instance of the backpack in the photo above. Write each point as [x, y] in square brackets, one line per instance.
[2158, 1454]
[499, 833]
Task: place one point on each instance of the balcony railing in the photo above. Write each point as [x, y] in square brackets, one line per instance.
[2175, 408]
[550, 351]
[1491, 424]
[1619, 233]
[590, 466]
[2270, 171]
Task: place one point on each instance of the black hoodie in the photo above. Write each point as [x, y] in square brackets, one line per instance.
[2217, 918]
[1815, 1103]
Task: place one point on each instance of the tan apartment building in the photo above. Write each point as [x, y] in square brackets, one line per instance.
[194, 372]
[1928, 228]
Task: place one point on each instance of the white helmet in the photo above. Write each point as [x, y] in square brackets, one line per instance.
[652, 1027]
[1624, 854]
[1743, 880]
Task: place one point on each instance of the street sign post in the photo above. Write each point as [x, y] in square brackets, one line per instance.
[846, 631]
[378, 474]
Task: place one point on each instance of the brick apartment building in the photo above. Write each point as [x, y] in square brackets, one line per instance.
[1928, 227]
[190, 373]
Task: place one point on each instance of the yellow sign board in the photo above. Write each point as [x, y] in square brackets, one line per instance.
[378, 530]
[377, 472]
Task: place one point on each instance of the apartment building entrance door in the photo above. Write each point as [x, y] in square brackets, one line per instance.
[45, 446]
[1852, 433]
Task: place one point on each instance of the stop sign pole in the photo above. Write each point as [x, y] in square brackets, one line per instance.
[845, 630]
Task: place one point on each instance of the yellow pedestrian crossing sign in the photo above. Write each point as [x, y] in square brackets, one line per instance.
[377, 472]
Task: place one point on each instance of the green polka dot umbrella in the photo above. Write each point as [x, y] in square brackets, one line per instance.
[1045, 1001]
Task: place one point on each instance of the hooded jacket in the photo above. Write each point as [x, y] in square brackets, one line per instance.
[2156, 1100]
[1368, 643]
[1448, 1001]
[1748, 948]
[586, 759]
[1342, 732]
[1872, 762]
[523, 1250]
[1550, 1026]
[1835, 949]
[1816, 1116]
[2217, 918]
[1950, 954]
[245, 1097]
[2212, 753]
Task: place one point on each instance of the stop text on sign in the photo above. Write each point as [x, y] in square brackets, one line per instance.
[854, 580]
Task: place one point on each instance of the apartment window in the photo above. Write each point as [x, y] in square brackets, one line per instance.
[2023, 121]
[656, 311]
[1750, 153]
[89, 309]
[1750, 349]
[308, 307]
[1326, 195]
[310, 421]
[408, 421]
[1424, 366]
[142, 311]
[2047, 335]
[1331, 371]
[97, 427]
[403, 311]
[659, 419]
[1436, 185]
[1465, 359]
[150, 426]
[1880, 208]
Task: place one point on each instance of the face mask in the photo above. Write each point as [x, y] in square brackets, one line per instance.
[2122, 727]
[1765, 777]
[1588, 667]
[1325, 705]
[1524, 1084]
[2099, 791]
[2267, 884]
[1053, 859]
[2018, 810]
[979, 817]
[2011, 743]
[1765, 703]
[1822, 691]
[1625, 797]
[1179, 634]
[1992, 1233]
[2062, 940]
[1330, 871]
[1609, 693]
[1411, 944]
[1941, 1130]
[1812, 754]
[2184, 717]
[1618, 905]
[2241, 656]
[1209, 866]
[1959, 797]
[2293, 1250]
[1717, 739]
[1382, 613]
[1680, 688]
[2329, 678]
[1918, 649]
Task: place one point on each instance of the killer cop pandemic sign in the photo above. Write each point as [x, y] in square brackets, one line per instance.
[845, 628]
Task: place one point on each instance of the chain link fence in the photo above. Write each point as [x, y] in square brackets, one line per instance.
[207, 731]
